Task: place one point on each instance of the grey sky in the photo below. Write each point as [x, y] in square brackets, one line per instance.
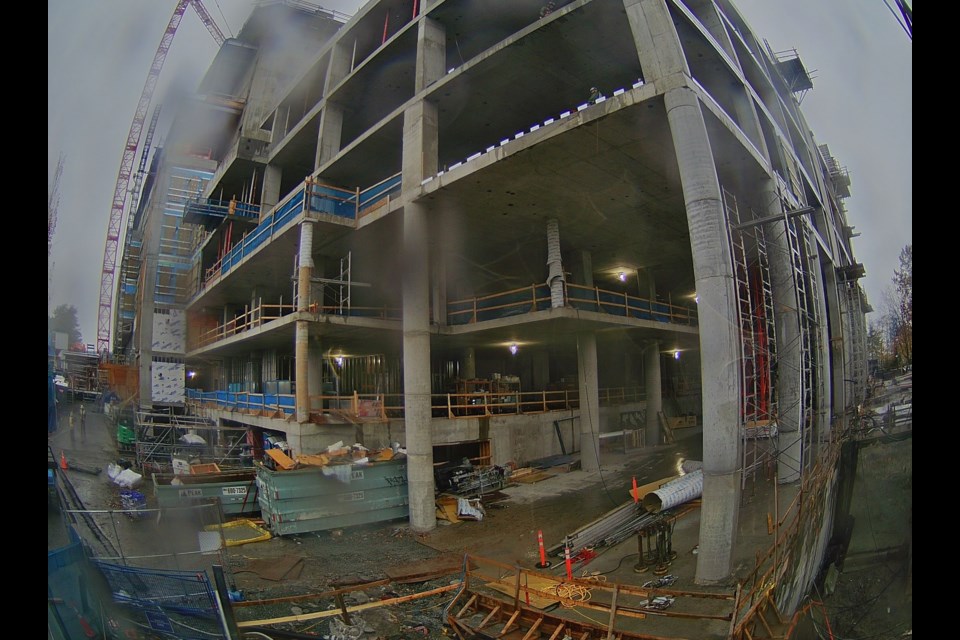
[99, 53]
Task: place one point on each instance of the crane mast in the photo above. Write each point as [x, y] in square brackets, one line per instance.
[53, 203]
[108, 270]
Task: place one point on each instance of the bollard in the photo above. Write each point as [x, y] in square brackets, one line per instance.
[566, 556]
[636, 494]
[544, 563]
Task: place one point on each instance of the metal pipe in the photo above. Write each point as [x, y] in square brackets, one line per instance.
[683, 489]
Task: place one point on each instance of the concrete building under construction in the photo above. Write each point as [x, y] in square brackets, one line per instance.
[496, 232]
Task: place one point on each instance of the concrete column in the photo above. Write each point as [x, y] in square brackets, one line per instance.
[469, 363]
[788, 382]
[431, 53]
[589, 401]
[656, 39]
[420, 144]
[719, 339]
[268, 369]
[271, 189]
[281, 124]
[648, 288]
[341, 61]
[824, 406]
[554, 264]
[331, 127]
[302, 353]
[438, 290]
[586, 268]
[654, 392]
[836, 340]
[416, 368]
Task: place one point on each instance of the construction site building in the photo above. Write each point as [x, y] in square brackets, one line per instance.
[482, 233]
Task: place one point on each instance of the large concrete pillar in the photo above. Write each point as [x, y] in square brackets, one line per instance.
[302, 354]
[328, 139]
[469, 364]
[719, 339]
[788, 384]
[589, 401]
[836, 339]
[824, 406]
[416, 368]
[271, 189]
[431, 63]
[654, 392]
[420, 152]
[438, 290]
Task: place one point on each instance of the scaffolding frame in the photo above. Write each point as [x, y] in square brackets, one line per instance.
[758, 338]
[157, 435]
[810, 324]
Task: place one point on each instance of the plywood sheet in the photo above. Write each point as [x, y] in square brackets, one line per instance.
[541, 584]
[283, 460]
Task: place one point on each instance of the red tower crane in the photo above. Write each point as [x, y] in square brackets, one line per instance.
[108, 271]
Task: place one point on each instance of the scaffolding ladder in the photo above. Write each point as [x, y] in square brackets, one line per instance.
[757, 334]
[796, 242]
[812, 321]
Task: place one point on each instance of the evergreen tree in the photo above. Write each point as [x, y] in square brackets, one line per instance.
[64, 319]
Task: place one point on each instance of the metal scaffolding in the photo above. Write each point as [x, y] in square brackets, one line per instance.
[755, 323]
[159, 440]
[810, 323]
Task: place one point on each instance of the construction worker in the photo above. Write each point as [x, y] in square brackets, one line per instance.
[547, 9]
[594, 94]
[83, 419]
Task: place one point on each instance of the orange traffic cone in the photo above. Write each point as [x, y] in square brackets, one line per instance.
[63, 460]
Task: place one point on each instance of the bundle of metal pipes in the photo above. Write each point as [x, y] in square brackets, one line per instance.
[609, 529]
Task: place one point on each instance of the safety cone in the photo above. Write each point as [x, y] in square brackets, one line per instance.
[544, 563]
[636, 494]
[63, 460]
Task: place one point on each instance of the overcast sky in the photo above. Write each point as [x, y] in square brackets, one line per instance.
[99, 53]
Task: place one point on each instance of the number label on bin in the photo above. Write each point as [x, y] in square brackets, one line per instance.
[234, 491]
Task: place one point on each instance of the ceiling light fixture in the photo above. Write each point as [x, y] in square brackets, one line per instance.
[513, 348]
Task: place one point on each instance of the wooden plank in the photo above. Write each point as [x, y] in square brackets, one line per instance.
[536, 585]
[283, 460]
[613, 612]
[556, 633]
[359, 607]
[445, 565]
[533, 629]
[469, 604]
[506, 627]
[455, 625]
[490, 615]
